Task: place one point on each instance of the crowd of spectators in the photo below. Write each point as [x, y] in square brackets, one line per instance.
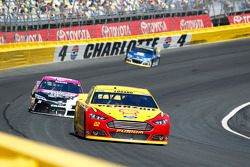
[16, 9]
[21, 9]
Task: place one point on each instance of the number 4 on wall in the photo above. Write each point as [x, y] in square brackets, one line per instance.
[182, 40]
[63, 52]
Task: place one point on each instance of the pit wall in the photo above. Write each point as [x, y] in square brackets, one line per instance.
[21, 152]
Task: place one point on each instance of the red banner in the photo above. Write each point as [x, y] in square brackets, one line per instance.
[109, 30]
[239, 19]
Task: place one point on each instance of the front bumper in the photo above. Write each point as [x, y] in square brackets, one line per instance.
[128, 131]
[126, 140]
[138, 63]
[62, 109]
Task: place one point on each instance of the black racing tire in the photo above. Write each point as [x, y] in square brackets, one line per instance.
[152, 61]
[126, 58]
[84, 129]
[159, 60]
[76, 132]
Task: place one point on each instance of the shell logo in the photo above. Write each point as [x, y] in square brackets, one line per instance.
[128, 111]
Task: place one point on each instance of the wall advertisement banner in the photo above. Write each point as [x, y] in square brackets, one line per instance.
[239, 19]
[109, 30]
[108, 49]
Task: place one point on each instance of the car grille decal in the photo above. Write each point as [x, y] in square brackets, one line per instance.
[130, 125]
[129, 136]
[136, 61]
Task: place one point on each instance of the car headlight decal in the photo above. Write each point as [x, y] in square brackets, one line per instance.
[39, 97]
[129, 56]
[98, 117]
[161, 122]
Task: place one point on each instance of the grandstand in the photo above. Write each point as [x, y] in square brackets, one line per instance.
[13, 10]
[92, 8]
[45, 9]
[42, 14]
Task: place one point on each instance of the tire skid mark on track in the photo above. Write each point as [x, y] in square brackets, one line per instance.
[6, 118]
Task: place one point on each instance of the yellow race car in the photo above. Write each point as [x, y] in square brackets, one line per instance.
[123, 114]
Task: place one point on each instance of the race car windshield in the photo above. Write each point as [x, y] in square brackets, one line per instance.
[142, 50]
[123, 99]
[60, 86]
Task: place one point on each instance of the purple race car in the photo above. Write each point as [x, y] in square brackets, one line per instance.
[55, 96]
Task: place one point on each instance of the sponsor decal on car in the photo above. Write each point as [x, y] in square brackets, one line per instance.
[129, 117]
[129, 131]
[127, 111]
[96, 124]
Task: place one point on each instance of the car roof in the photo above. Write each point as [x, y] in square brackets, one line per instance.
[68, 80]
[146, 47]
[121, 89]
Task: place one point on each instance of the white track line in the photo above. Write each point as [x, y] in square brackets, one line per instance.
[230, 115]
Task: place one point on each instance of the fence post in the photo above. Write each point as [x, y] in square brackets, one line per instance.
[48, 18]
[6, 29]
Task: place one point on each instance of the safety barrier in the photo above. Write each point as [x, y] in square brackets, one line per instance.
[26, 54]
[223, 33]
[26, 57]
[16, 152]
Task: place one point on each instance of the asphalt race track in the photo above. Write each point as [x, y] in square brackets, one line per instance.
[197, 86]
[240, 121]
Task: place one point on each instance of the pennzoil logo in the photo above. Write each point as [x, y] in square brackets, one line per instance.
[129, 113]
[129, 131]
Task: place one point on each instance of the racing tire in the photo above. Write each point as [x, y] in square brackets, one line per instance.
[75, 130]
[152, 62]
[125, 58]
[158, 62]
[84, 129]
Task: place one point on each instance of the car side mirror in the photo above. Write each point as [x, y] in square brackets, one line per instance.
[83, 97]
[35, 87]
[37, 83]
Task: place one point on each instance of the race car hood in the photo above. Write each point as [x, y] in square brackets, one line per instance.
[50, 94]
[140, 54]
[129, 113]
